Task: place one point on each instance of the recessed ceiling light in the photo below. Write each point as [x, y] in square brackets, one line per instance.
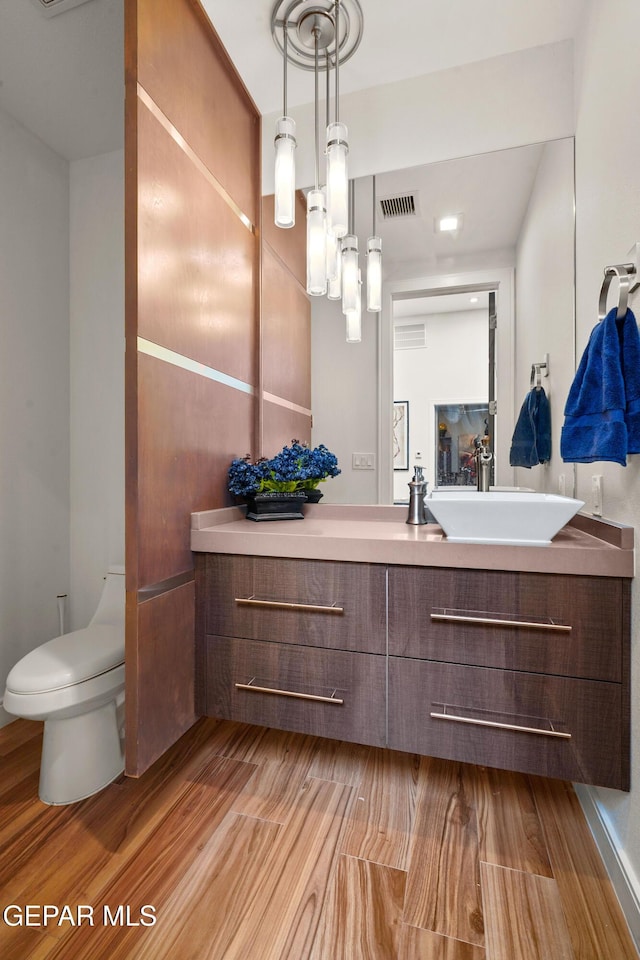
[451, 223]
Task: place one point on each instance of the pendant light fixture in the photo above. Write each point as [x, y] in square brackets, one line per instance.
[302, 31]
[337, 153]
[354, 317]
[334, 246]
[316, 200]
[374, 274]
[374, 265]
[350, 266]
[285, 168]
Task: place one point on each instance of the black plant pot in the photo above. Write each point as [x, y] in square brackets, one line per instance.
[276, 506]
[314, 495]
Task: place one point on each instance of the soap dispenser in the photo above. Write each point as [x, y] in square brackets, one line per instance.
[417, 492]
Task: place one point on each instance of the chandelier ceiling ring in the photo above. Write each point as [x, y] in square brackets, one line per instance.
[304, 19]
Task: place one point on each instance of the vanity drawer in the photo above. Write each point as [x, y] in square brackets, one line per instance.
[544, 623]
[315, 602]
[327, 693]
[552, 726]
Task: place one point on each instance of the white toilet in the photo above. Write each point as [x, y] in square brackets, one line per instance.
[75, 683]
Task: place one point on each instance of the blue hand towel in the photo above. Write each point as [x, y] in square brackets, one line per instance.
[531, 443]
[602, 413]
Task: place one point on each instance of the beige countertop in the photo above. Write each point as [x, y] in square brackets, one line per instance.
[379, 534]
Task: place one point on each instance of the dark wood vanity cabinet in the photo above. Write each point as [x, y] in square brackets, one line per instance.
[523, 671]
[294, 644]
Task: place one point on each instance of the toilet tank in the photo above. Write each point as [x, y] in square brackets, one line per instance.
[112, 602]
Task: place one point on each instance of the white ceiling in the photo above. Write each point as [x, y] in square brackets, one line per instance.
[414, 309]
[62, 76]
[491, 191]
[401, 39]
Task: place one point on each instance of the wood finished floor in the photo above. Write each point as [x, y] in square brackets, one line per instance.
[262, 845]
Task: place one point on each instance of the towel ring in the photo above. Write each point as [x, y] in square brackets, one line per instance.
[624, 272]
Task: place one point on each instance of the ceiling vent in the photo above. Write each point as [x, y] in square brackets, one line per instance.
[403, 205]
[409, 336]
[51, 7]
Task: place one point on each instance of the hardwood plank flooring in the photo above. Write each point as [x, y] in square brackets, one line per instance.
[379, 828]
[243, 842]
[443, 890]
[590, 906]
[510, 832]
[362, 914]
[532, 925]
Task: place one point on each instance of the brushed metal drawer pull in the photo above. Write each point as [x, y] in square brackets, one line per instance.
[290, 693]
[501, 726]
[285, 605]
[499, 622]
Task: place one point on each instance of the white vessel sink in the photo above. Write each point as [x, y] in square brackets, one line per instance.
[519, 519]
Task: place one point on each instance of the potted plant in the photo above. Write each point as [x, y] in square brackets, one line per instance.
[275, 489]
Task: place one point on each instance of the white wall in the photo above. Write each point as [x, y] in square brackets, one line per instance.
[608, 223]
[34, 391]
[61, 386]
[506, 101]
[344, 382]
[545, 301]
[97, 377]
[451, 368]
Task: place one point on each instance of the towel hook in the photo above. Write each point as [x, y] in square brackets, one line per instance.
[536, 369]
[624, 272]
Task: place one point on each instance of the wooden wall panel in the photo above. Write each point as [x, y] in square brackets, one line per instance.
[197, 273]
[163, 688]
[281, 425]
[190, 428]
[193, 263]
[186, 70]
[290, 245]
[192, 158]
[286, 333]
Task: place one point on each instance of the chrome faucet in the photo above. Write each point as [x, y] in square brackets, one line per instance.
[417, 492]
[483, 458]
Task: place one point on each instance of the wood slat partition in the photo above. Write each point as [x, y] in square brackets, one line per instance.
[192, 248]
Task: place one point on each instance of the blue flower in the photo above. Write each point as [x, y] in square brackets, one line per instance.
[295, 468]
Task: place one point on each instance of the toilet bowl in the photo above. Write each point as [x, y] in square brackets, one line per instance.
[75, 683]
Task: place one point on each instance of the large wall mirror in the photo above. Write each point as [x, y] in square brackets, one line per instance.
[466, 313]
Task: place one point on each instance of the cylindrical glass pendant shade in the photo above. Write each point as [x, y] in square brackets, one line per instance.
[334, 286]
[337, 179]
[349, 273]
[333, 250]
[285, 173]
[374, 274]
[354, 319]
[316, 244]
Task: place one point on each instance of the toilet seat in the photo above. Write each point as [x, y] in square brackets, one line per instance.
[69, 660]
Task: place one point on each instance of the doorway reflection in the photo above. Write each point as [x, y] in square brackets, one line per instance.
[443, 369]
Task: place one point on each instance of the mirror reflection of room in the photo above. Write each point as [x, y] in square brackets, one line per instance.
[440, 368]
[512, 200]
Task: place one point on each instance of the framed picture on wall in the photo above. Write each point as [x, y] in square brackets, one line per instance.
[401, 435]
